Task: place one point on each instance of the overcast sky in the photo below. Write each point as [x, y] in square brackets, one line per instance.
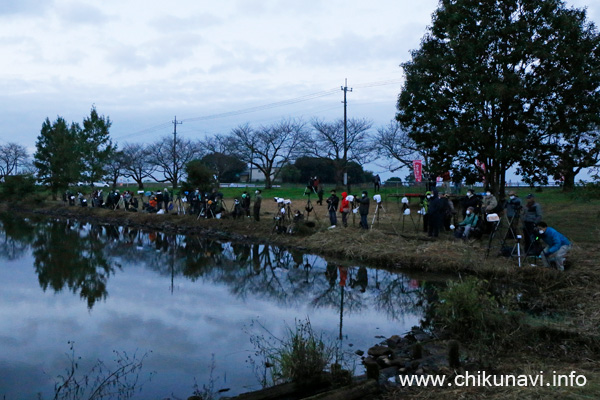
[143, 62]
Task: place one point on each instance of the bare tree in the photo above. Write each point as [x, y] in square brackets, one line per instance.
[137, 163]
[331, 142]
[171, 159]
[268, 148]
[114, 166]
[11, 156]
[395, 146]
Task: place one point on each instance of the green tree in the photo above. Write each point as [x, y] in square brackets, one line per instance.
[227, 168]
[481, 89]
[316, 166]
[198, 175]
[96, 145]
[58, 154]
[570, 141]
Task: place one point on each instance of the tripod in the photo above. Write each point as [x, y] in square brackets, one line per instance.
[376, 215]
[181, 205]
[309, 207]
[405, 207]
[495, 226]
[517, 248]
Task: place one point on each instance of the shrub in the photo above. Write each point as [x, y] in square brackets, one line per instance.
[471, 313]
[302, 356]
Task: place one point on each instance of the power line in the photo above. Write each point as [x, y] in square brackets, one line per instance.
[263, 107]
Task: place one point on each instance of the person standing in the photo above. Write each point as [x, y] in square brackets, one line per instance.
[376, 183]
[345, 209]
[257, 204]
[363, 209]
[557, 246]
[332, 206]
[246, 203]
[532, 216]
[436, 215]
[513, 213]
[488, 207]
[166, 200]
[471, 200]
[449, 212]
[320, 193]
[425, 211]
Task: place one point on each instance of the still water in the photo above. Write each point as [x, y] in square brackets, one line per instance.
[189, 304]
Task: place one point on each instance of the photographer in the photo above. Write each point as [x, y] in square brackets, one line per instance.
[470, 222]
[246, 204]
[532, 216]
[513, 212]
[489, 206]
[332, 206]
[237, 209]
[166, 200]
[471, 200]
[345, 209]
[257, 204]
[436, 214]
[425, 210]
[557, 246]
[363, 209]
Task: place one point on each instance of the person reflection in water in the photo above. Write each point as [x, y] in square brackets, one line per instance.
[343, 275]
[331, 273]
[362, 279]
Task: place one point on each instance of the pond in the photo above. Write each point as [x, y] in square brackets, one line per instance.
[186, 305]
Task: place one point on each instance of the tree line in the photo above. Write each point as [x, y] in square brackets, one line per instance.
[290, 149]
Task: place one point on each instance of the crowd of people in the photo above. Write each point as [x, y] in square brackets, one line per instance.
[439, 212]
[480, 215]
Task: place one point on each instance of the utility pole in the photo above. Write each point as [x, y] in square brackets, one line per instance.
[346, 90]
[175, 123]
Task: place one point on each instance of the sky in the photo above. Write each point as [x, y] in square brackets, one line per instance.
[143, 63]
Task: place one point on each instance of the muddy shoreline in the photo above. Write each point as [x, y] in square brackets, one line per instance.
[382, 247]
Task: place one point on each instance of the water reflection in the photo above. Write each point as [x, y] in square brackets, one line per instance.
[82, 257]
[68, 256]
[241, 281]
[16, 234]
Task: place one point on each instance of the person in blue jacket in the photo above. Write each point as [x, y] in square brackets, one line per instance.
[557, 246]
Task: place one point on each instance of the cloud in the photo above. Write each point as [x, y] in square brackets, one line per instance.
[75, 14]
[350, 49]
[24, 7]
[158, 52]
[171, 23]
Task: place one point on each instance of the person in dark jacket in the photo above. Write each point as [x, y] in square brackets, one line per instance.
[332, 206]
[436, 215]
[363, 210]
[471, 200]
[246, 204]
[257, 204]
[532, 215]
[513, 212]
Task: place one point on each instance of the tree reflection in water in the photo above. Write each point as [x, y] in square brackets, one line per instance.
[82, 257]
[68, 254]
[16, 235]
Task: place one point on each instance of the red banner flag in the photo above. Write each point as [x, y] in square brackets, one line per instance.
[418, 170]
